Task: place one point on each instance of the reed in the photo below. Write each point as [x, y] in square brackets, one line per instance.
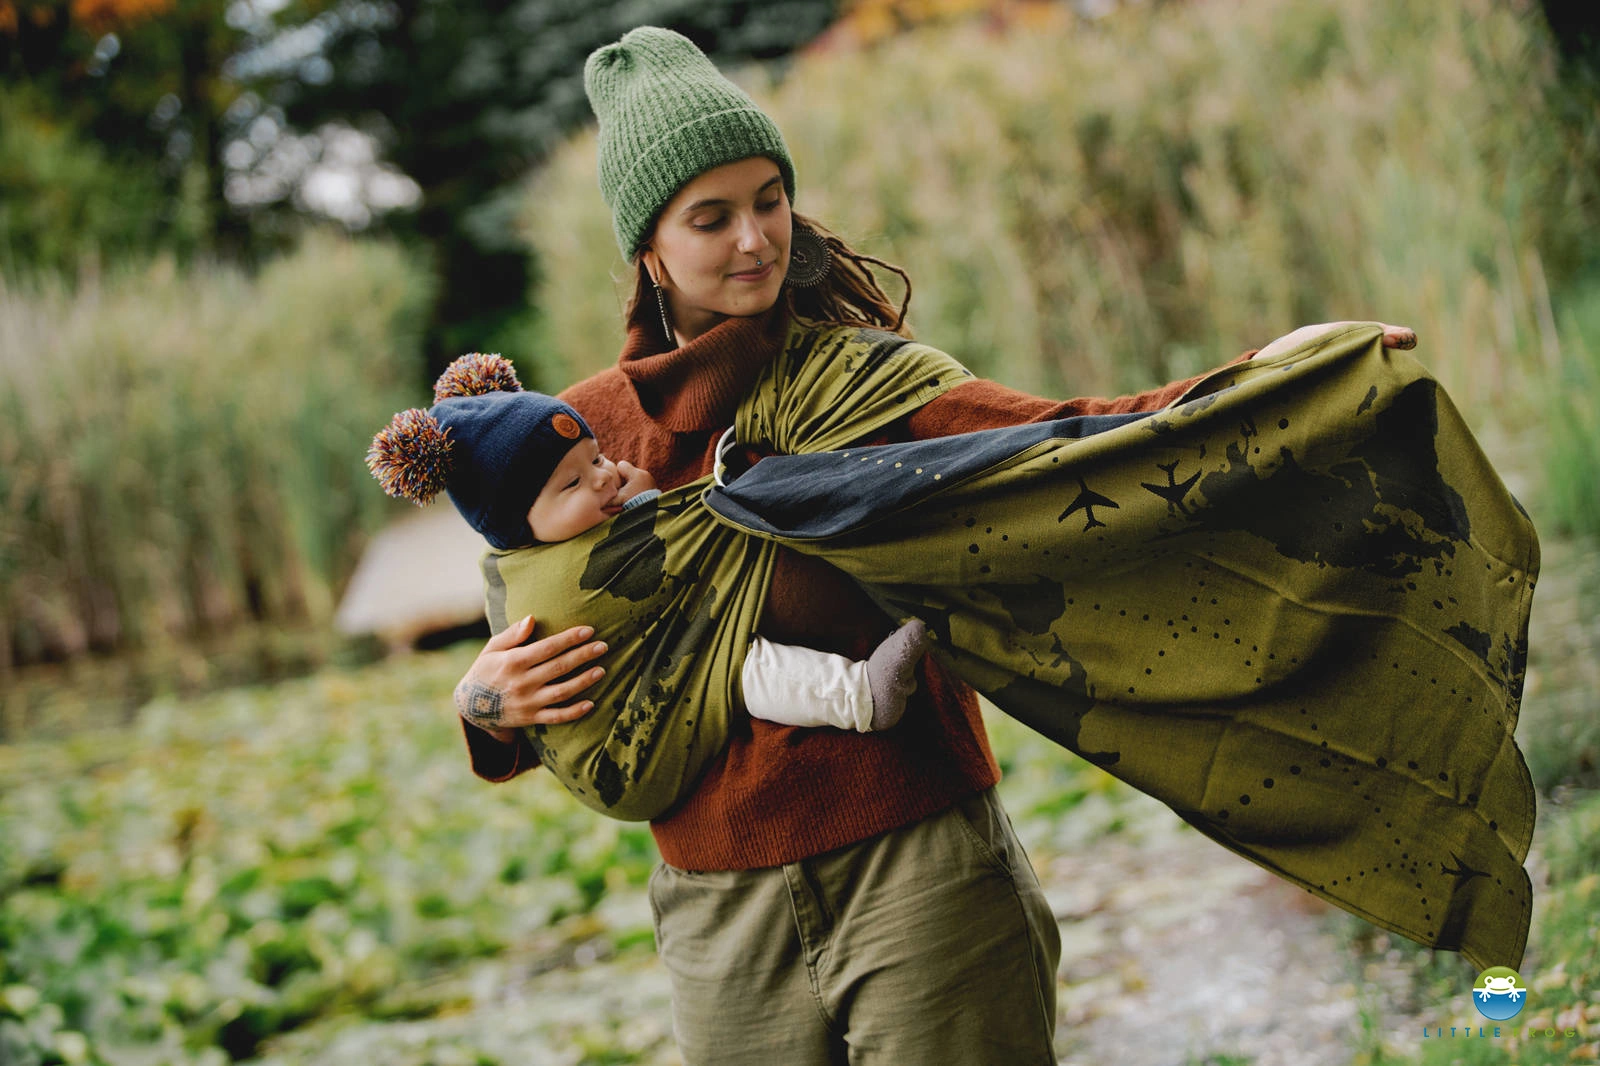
[1572, 483]
[181, 452]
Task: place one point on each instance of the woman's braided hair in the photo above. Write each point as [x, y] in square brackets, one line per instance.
[849, 294]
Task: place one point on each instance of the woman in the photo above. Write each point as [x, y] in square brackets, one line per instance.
[824, 896]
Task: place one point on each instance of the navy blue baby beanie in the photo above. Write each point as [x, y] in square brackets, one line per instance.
[487, 443]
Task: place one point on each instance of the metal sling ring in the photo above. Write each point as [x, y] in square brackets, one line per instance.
[719, 465]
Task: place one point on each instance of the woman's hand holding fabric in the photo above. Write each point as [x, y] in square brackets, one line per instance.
[1403, 337]
[1399, 337]
[511, 685]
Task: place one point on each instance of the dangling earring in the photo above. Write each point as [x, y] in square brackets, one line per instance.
[666, 322]
[809, 258]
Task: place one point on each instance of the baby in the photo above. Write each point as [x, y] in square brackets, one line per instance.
[525, 469]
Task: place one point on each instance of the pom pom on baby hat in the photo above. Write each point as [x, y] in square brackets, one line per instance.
[410, 456]
[487, 442]
[475, 374]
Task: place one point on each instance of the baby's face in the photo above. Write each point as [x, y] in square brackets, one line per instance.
[581, 493]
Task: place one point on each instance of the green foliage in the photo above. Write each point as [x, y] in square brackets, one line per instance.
[246, 863]
[1573, 466]
[1558, 730]
[183, 452]
[138, 84]
[1095, 207]
[1567, 965]
[66, 203]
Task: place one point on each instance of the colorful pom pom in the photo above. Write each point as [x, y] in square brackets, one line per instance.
[410, 456]
[475, 374]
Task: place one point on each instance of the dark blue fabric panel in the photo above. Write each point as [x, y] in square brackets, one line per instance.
[824, 494]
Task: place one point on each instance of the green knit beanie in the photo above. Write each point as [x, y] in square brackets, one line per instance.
[667, 116]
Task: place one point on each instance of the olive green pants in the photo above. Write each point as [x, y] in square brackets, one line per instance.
[931, 944]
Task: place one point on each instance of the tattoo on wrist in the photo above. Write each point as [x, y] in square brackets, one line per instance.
[480, 704]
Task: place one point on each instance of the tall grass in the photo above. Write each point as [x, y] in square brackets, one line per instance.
[182, 452]
[1573, 486]
[1095, 206]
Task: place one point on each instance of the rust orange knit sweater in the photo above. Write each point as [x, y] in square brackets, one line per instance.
[781, 794]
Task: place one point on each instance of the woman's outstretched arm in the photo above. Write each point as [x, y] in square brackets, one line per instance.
[984, 404]
[513, 684]
[1393, 336]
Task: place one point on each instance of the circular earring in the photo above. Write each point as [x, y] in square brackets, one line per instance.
[809, 258]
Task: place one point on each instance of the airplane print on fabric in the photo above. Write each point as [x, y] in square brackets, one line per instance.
[1086, 501]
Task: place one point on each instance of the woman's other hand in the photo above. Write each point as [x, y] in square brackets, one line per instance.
[510, 686]
[1399, 337]
[1393, 337]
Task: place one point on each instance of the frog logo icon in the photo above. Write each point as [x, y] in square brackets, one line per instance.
[1499, 993]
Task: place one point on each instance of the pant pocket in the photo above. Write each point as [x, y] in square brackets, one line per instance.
[980, 820]
[655, 907]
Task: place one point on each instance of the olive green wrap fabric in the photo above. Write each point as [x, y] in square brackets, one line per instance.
[677, 594]
[1293, 607]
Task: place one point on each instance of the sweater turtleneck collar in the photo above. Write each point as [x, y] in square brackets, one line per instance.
[698, 387]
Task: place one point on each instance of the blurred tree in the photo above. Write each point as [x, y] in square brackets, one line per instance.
[62, 201]
[126, 101]
[466, 99]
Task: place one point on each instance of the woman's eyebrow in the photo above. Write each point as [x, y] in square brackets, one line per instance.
[715, 201]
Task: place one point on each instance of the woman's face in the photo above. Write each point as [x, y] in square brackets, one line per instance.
[706, 243]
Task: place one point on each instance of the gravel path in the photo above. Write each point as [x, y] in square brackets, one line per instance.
[1176, 952]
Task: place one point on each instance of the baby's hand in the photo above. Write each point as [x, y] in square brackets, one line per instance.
[634, 481]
